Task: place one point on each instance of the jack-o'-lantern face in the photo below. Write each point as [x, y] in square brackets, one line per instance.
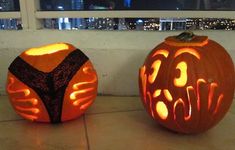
[54, 83]
[184, 86]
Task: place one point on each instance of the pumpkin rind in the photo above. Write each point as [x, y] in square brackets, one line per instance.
[39, 91]
[204, 99]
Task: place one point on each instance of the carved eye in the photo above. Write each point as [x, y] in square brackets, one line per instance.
[183, 77]
[155, 66]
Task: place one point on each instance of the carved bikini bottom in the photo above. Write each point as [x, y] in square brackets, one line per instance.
[51, 86]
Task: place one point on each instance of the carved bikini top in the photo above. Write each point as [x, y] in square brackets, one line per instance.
[51, 86]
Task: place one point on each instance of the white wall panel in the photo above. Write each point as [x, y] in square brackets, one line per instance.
[116, 55]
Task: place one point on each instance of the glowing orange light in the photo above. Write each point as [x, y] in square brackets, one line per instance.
[162, 110]
[85, 106]
[211, 93]
[143, 77]
[27, 116]
[31, 100]
[156, 93]
[189, 51]
[78, 86]
[150, 104]
[189, 102]
[75, 93]
[180, 101]
[165, 53]
[182, 80]
[218, 103]
[199, 81]
[84, 91]
[47, 49]
[34, 110]
[9, 90]
[79, 101]
[93, 80]
[155, 66]
[167, 95]
[35, 102]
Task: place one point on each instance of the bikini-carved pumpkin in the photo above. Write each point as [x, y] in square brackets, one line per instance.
[53, 83]
[187, 83]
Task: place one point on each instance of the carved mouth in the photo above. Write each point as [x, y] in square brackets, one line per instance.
[196, 95]
[190, 105]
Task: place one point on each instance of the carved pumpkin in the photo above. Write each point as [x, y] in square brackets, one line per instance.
[187, 83]
[54, 83]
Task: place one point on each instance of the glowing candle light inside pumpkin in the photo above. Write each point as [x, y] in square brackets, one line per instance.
[165, 53]
[155, 66]
[182, 80]
[49, 49]
[162, 110]
[156, 93]
[58, 72]
[188, 88]
[168, 95]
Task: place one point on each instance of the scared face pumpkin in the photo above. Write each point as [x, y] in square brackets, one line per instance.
[187, 83]
[53, 83]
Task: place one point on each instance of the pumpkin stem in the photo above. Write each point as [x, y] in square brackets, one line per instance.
[186, 36]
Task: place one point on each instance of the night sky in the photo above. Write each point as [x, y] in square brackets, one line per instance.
[117, 4]
[136, 4]
[16, 5]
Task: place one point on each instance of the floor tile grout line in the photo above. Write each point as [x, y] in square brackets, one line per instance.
[86, 132]
[110, 112]
[89, 114]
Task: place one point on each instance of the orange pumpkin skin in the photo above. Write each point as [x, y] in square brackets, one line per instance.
[187, 85]
[77, 95]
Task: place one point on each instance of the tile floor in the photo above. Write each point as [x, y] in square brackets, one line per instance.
[111, 123]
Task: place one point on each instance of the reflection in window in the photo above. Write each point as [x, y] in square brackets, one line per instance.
[10, 24]
[9, 5]
[138, 4]
[146, 24]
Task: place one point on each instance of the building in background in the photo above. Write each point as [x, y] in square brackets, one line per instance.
[101, 23]
[127, 3]
[71, 23]
[63, 23]
[78, 23]
[122, 24]
[172, 24]
[192, 24]
[151, 24]
[140, 24]
[154, 24]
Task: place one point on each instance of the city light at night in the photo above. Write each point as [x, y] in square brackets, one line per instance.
[147, 24]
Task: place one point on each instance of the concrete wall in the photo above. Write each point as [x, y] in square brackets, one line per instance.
[116, 55]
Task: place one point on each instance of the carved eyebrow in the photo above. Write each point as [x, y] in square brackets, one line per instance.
[189, 51]
[165, 53]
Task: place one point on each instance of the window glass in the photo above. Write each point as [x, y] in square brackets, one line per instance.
[149, 24]
[137, 4]
[9, 5]
[10, 24]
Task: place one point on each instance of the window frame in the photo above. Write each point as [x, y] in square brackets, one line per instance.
[31, 17]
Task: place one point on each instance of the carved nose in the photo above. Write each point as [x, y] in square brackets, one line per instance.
[166, 93]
